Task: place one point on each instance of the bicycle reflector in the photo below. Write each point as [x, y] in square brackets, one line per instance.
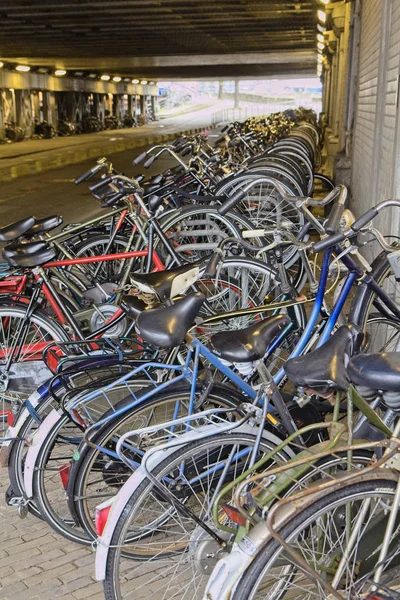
[64, 474]
[101, 516]
[233, 514]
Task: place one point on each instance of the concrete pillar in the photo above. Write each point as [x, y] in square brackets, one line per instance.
[154, 105]
[236, 105]
[220, 90]
[2, 117]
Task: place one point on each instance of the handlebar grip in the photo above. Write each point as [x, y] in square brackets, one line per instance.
[333, 222]
[97, 186]
[225, 128]
[185, 151]
[231, 202]
[177, 142]
[328, 242]
[139, 158]
[112, 199]
[212, 265]
[88, 174]
[364, 219]
[149, 161]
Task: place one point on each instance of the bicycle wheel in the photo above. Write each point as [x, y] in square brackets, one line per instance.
[195, 232]
[20, 446]
[367, 306]
[96, 245]
[54, 459]
[27, 370]
[95, 477]
[320, 535]
[174, 559]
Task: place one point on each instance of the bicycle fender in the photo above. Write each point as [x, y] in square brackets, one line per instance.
[119, 502]
[13, 432]
[38, 439]
[229, 569]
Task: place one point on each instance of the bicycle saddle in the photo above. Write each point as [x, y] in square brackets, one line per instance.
[154, 202]
[150, 188]
[43, 225]
[166, 327]
[33, 254]
[376, 371]
[15, 230]
[250, 344]
[167, 284]
[325, 369]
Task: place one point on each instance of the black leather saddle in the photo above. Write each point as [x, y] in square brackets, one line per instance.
[325, 368]
[44, 225]
[150, 188]
[166, 327]
[376, 371]
[161, 283]
[33, 254]
[15, 230]
[250, 344]
[153, 202]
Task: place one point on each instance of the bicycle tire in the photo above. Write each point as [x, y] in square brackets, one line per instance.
[144, 492]
[270, 553]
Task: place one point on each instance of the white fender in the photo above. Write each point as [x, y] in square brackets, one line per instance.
[13, 432]
[38, 438]
[229, 570]
[119, 502]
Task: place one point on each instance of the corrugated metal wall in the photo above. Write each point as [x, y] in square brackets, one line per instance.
[375, 174]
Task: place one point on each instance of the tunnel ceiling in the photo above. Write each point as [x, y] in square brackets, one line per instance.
[152, 38]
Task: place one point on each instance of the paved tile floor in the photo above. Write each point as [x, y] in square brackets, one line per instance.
[37, 564]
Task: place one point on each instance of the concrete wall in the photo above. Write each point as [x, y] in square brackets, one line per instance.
[375, 169]
[362, 103]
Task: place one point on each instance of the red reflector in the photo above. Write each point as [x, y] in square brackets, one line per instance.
[10, 418]
[64, 474]
[101, 516]
[234, 514]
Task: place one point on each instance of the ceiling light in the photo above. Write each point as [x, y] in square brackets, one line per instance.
[319, 58]
[1, 64]
[135, 80]
[320, 45]
[152, 82]
[60, 72]
[116, 79]
[321, 16]
[127, 79]
[319, 70]
[325, 1]
[78, 73]
[92, 75]
[23, 68]
[321, 28]
[320, 37]
[105, 78]
[144, 82]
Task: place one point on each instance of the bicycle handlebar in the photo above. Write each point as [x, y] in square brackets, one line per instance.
[149, 161]
[139, 158]
[88, 175]
[100, 184]
[337, 238]
[335, 216]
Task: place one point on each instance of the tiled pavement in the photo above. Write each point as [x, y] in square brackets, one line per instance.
[37, 564]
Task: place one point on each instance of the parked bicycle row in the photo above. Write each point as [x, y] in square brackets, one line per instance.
[184, 388]
[87, 124]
